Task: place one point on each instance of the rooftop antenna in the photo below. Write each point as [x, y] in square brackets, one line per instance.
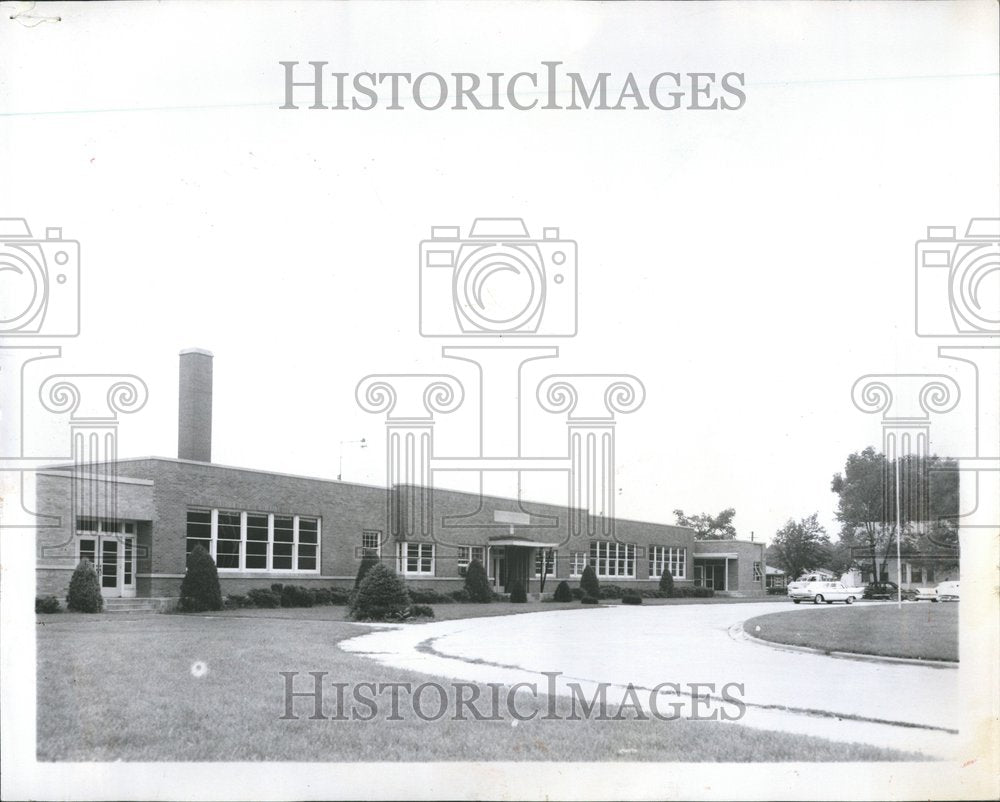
[340, 468]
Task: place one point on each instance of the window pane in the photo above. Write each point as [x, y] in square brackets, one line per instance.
[88, 550]
[256, 555]
[308, 530]
[282, 558]
[257, 527]
[199, 530]
[307, 557]
[86, 524]
[283, 529]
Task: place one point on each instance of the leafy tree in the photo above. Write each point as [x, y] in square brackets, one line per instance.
[563, 593]
[667, 583]
[200, 588]
[707, 526]
[382, 595]
[84, 594]
[477, 584]
[588, 582]
[866, 508]
[800, 546]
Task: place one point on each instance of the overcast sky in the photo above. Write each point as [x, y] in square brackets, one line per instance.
[746, 265]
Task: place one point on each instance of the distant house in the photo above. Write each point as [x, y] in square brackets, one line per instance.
[774, 577]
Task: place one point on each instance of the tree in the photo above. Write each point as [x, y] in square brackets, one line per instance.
[517, 592]
[200, 589]
[367, 563]
[866, 508]
[707, 526]
[800, 546]
[545, 560]
[667, 583]
[382, 595]
[563, 593]
[84, 594]
[588, 582]
[477, 584]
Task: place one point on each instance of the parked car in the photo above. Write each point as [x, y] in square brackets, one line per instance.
[819, 592]
[926, 594]
[887, 591]
[947, 591]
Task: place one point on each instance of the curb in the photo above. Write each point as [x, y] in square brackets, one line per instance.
[737, 631]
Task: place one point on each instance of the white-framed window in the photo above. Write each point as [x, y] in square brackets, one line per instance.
[577, 562]
[255, 541]
[550, 562]
[757, 572]
[371, 543]
[667, 558]
[612, 559]
[467, 554]
[415, 558]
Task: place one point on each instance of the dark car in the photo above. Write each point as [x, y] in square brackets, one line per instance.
[886, 591]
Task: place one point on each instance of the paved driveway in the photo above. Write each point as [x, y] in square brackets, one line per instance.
[902, 706]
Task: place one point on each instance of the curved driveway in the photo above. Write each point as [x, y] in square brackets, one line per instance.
[903, 706]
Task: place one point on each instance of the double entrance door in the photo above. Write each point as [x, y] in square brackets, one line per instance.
[113, 556]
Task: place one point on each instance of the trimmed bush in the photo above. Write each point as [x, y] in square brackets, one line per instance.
[631, 598]
[321, 595]
[277, 588]
[264, 598]
[517, 594]
[367, 563]
[577, 593]
[200, 588]
[589, 600]
[84, 594]
[46, 604]
[477, 584]
[422, 596]
[777, 590]
[421, 611]
[235, 601]
[461, 596]
[667, 584]
[339, 596]
[691, 592]
[381, 596]
[296, 596]
[611, 592]
[589, 584]
[563, 593]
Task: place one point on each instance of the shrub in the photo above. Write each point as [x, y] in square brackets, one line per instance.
[46, 604]
[563, 593]
[517, 594]
[461, 595]
[367, 563]
[589, 584]
[84, 594]
[577, 593]
[423, 596]
[588, 599]
[296, 596]
[200, 588]
[610, 592]
[776, 590]
[234, 601]
[381, 596]
[321, 596]
[264, 597]
[421, 611]
[631, 598]
[339, 596]
[477, 585]
[667, 584]
[277, 588]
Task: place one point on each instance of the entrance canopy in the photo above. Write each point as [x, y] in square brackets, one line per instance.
[717, 555]
[520, 541]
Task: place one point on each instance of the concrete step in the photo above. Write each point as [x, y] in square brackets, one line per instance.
[139, 605]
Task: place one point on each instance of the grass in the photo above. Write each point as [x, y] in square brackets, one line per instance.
[121, 687]
[928, 631]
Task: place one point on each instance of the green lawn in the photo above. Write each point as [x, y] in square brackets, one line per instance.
[120, 687]
[917, 629]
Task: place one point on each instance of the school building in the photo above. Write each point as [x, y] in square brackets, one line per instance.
[138, 519]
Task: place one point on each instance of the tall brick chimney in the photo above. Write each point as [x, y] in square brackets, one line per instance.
[194, 429]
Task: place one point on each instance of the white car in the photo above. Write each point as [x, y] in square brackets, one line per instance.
[819, 592]
[947, 591]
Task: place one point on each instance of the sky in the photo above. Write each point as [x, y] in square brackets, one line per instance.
[747, 266]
